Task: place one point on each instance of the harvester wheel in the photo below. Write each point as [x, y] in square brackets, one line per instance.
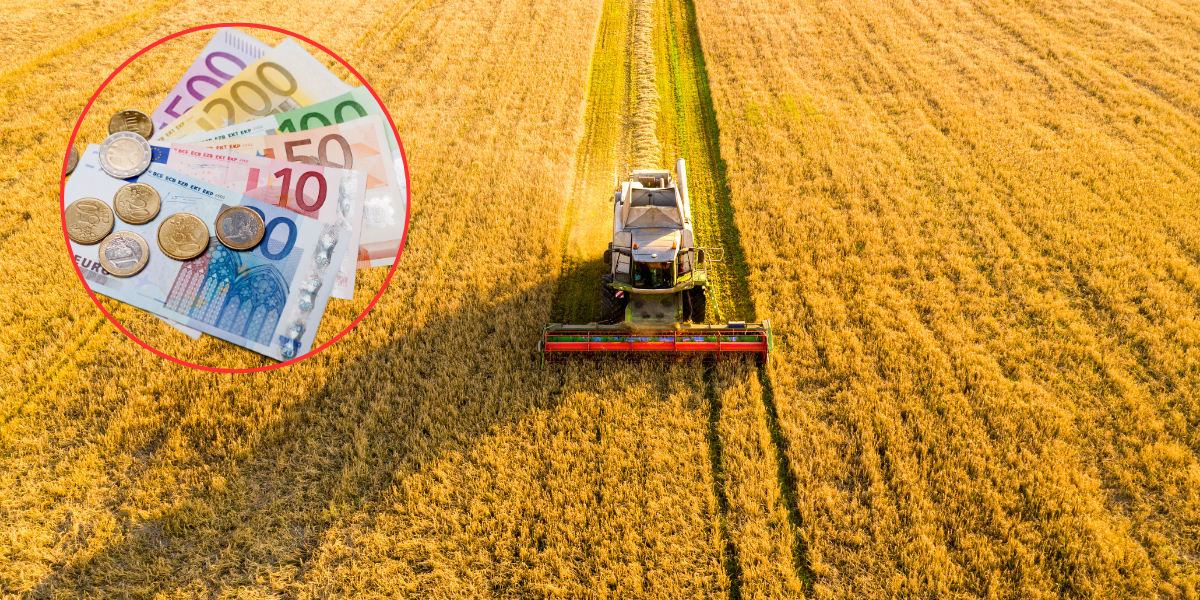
[695, 304]
[612, 307]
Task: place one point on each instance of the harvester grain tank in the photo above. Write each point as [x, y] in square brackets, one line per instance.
[654, 297]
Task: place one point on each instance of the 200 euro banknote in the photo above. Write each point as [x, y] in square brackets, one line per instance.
[286, 78]
[326, 194]
[226, 55]
[269, 299]
[359, 144]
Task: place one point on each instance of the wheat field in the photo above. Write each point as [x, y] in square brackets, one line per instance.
[973, 226]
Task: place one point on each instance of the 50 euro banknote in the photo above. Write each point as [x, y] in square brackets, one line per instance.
[286, 78]
[329, 195]
[269, 299]
[355, 104]
[226, 55]
[360, 145]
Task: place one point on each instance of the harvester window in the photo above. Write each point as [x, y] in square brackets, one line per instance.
[653, 275]
[685, 263]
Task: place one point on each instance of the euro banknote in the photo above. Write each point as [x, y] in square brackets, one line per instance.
[359, 144]
[269, 299]
[284, 79]
[353, 105]
[227, 54]
[328, 195]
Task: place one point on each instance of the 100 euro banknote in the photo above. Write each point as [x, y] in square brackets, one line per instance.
[328, 195]
[353, 105]
[358, 144]
[269, 299]
[286, 78]
[226, 55]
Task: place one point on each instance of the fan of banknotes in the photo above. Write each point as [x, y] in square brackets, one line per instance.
[246, 200]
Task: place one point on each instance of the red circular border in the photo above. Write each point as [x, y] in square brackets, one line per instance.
[79, 273]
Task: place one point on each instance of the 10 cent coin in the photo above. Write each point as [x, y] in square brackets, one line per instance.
[137, 203]
[131, 120]
[183, 236]
[88, 221]
[240, 228]
[124, 253]
[124, 154]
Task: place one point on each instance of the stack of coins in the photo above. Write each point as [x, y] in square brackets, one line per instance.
[126, 154]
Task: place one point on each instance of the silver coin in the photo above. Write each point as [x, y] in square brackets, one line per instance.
[72, 160]
[125, 154]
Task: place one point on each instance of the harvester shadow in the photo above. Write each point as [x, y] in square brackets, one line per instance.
[384, 415]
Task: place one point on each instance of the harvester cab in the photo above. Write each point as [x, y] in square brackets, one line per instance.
[654, 298]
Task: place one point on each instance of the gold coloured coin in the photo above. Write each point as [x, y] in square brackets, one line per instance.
[124, 254]
[137, 203]
[240, 228]
[183, 236]
[72, 160]
[88, 221]
[131, 120]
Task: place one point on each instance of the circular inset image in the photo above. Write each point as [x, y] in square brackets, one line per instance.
[183, 236]
[125, 154]
[134, 121]
[137, 203]
[240, 228]
[88, 221]
[337, 202]
[124, 254]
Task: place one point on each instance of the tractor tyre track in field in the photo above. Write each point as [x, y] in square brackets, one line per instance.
[686, 127]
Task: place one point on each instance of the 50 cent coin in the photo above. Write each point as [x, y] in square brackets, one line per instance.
[88, 221]
[131, 120]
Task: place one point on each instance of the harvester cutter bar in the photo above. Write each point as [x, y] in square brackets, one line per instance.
[593, 341]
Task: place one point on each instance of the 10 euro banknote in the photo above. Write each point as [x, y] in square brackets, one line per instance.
[328, 195]
[269, 299]
[358, 144]
[340, 110]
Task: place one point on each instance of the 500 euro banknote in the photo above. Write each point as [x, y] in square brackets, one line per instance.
[225, 56]
[360, 145]
[269, 299]
[339, 110]
[286, 78]
[328, 195]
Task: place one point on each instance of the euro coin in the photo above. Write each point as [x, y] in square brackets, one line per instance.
[124, 253]
[183, 236]
[137, 203]
[240, 228]
[131, 120]
[72, 160]
[88, 221]
[124, 154]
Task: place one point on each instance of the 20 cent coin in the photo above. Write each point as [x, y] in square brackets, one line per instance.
[88, 221]
[183, 236]
[131, 120]
[124, 154]
[240, 228]
[124, 253]
[137, 203]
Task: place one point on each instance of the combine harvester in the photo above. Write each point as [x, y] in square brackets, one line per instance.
[652, 300]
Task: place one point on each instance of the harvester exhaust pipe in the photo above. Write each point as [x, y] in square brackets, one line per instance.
[681, 176]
